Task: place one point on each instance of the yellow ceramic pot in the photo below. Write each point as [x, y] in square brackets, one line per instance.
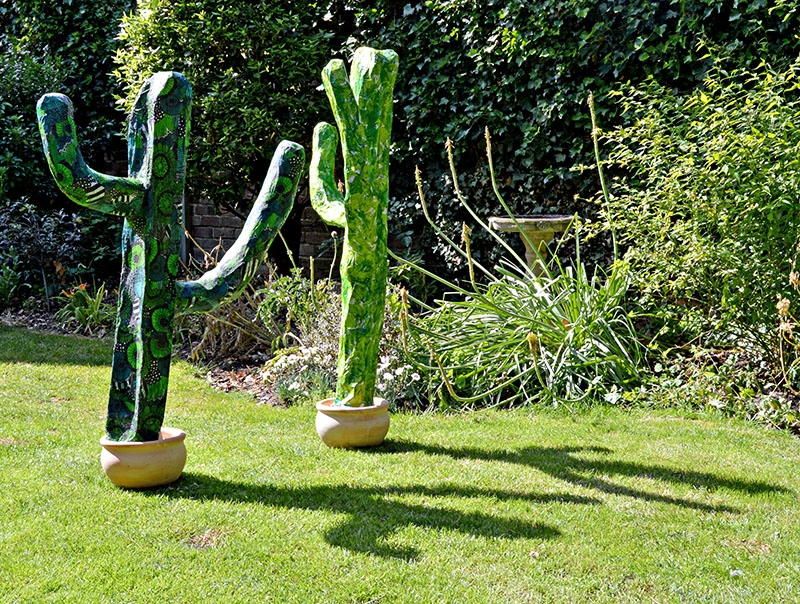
[352, 427]
[145, 464]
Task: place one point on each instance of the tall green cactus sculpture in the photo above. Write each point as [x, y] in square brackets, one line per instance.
[362, 106]
[150, 200]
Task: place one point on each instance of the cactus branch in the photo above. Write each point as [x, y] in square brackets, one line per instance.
[108, 194]
[237, 267]
[326, 199]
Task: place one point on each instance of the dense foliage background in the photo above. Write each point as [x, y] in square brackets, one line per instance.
[254, 69]
[62, 47]
[525, 69]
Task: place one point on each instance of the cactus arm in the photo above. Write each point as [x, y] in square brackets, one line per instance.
[240, 263]
[109, 194]
[340, 95]
[326, 199]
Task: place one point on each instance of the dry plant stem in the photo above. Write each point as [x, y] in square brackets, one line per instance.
[463, 201]
[440, 232]
[606, 196]
[542, 263]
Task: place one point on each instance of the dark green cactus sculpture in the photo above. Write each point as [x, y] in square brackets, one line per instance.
[362, 106]
[150, 200]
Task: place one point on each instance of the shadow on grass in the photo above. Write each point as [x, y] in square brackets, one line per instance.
[20, 345]
[571, 465]
[375, 513]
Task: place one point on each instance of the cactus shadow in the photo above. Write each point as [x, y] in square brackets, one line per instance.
[598, 469]
[375, 514]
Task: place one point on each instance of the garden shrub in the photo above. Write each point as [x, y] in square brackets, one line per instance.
[43, 246]
[524, 69]
[706, 202]
[254, 69]
[10, 277]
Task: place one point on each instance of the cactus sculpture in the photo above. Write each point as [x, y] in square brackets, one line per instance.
[150, 200]
[362, 106]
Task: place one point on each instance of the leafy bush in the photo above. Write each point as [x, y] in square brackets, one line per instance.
[707, 202]
[62, 47]
[254, 69]
[46, 245]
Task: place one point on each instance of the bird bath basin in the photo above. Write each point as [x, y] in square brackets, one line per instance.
[536, 231]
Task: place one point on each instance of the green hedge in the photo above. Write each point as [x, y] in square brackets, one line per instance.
[254, 68]
[525, 70]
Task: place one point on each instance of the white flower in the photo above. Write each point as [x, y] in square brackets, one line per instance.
[415, 376]
[380, 386]
[399, 371]
[387, 376]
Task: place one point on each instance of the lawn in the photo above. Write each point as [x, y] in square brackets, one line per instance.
[525, 506]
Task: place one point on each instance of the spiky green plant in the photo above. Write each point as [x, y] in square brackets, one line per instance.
[511, 336]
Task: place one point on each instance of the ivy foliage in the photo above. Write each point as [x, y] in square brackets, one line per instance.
[254, 69]
[525, 69]
[708, 201]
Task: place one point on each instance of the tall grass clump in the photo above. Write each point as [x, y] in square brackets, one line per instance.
[510, 336]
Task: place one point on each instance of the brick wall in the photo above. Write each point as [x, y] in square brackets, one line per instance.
[210, 230]
[316, 241]
[305, 233]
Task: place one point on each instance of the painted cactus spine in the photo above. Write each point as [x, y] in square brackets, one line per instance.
[362, 107]
[150, 200]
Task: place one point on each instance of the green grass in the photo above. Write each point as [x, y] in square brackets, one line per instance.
[603, 506]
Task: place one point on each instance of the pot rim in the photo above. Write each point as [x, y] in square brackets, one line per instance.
[167, 436]
[327, 406]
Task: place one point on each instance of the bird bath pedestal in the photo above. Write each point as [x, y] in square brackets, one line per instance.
[535, 230]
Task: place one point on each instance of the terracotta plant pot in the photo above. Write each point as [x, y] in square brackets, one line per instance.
[145, 464]
[351, 427]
